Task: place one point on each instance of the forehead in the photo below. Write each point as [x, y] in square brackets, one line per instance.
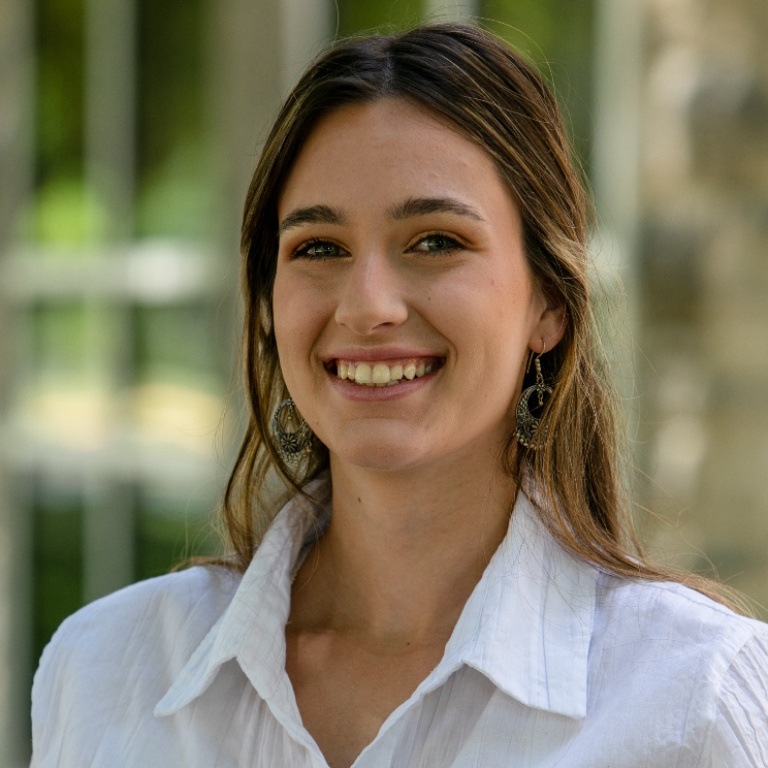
[385, 148]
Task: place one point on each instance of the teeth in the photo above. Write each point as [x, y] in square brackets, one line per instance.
[380, 374]
[363, 374]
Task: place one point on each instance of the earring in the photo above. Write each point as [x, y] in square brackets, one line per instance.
[290, 445]
[529, 431]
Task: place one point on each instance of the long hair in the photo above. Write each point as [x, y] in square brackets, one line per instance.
[475, 83]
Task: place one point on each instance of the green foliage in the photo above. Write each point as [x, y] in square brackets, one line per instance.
[167, 532]
[176, 198]
[173, 177]
[175, 344]
[359, 16]
[59, 341]
[171, 79]
[557, 35]
[64, 212]
[58, 566]
[60, 88]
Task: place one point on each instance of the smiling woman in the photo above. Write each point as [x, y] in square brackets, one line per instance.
[451, 578]
[416, 262]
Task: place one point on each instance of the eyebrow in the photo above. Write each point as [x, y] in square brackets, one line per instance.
[422, 206]
[410, 208]
[314, 214]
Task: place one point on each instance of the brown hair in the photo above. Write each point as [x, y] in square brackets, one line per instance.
[475, 83]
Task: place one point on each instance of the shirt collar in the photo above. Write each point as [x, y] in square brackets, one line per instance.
[526, 626]
[252, 628]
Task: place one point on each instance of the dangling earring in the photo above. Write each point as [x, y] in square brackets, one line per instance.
[294, 444]
[529, 431]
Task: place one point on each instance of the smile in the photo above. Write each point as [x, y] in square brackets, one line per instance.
[370, 374]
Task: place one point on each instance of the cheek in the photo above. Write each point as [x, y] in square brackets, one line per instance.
[290, 306]
[281, 312]
[285, 317]
[509, 325]
[298, 314]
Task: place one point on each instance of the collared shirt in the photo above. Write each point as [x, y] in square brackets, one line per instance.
[551, 663]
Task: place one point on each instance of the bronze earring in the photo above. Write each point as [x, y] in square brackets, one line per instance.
[529, 431]
[293, 444]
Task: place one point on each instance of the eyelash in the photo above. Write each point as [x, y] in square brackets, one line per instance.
[453, 244]
[304, 250]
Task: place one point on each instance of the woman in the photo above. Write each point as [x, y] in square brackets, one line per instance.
[451, 582]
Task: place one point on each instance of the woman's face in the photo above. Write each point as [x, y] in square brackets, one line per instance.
[404, 307]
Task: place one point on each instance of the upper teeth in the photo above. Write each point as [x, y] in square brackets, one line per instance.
[381, 374]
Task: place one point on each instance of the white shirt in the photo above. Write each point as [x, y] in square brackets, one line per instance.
[552, 663]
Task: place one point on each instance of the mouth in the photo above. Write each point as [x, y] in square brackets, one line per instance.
[383, 374]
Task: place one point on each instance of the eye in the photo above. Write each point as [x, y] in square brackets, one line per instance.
[319, 249]
[436, 243]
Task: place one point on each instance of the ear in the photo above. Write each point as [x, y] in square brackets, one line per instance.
[550, 327]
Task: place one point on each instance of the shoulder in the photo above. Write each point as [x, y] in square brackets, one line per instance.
[684, 664]
[175, 611]
[125, 647]
[670, 614]
[740, 730]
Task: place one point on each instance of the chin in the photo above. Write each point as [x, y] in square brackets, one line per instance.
[380, 460]
[379, 456]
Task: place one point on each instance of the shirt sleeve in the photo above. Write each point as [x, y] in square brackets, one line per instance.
[46, 703]
[740, 735]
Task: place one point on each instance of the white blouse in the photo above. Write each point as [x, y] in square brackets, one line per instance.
[552, 663]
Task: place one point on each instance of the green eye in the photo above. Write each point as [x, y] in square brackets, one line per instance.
[319, 249]
[437, 243]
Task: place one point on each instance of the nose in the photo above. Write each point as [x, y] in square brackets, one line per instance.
[372, 297]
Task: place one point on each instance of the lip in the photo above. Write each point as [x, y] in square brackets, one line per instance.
[389, 355]
[351, 391]
[380, 354]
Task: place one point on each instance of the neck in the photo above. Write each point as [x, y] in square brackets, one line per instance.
[403, 551]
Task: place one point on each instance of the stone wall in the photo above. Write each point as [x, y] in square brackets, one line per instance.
[703, 291]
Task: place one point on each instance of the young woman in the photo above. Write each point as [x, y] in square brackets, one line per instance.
[451, 581]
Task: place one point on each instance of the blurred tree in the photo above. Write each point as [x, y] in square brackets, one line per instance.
[355, 17]
[60, 89]
[557, 35]
[173, 166]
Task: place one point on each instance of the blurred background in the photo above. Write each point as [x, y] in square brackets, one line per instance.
[128, 132]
